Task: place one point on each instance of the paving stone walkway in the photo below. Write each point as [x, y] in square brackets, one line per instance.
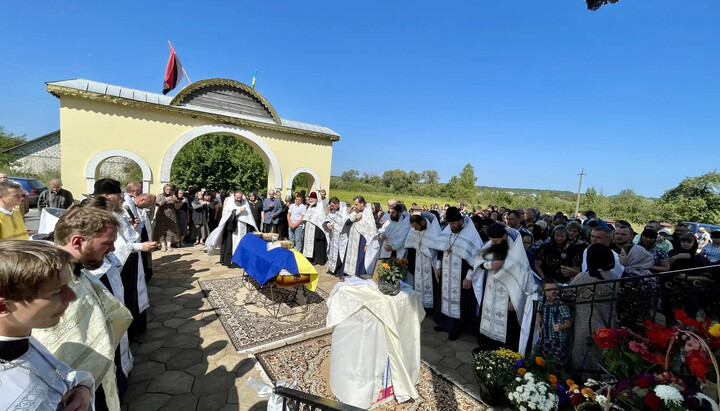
[186, 361]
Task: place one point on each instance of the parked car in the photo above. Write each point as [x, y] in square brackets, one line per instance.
[694, 227]
[32, 187]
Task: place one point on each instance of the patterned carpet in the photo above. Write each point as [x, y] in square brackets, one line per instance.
[308, 363]
[247, 311]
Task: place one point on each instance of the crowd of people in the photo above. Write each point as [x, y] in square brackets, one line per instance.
[480, 271]
[491, 272]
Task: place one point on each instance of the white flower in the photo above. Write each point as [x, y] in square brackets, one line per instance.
[669, 394]
[601, 399]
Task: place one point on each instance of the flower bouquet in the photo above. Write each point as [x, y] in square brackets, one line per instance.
[649, 379]
[495, 370]
[529, 393]
[544, 370]
[390, 272]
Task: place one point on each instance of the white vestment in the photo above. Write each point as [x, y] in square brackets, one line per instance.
[456, 247]
[365, 227]
[338, 235]
[392, 233]
[425, 258]
[314, 218]
[243, 217]
[22, 389]
[88, 333]
[514, 282]
[142, 214]
[111, 268]
[127, 242]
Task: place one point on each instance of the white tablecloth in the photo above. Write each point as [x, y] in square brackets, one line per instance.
[371, 327]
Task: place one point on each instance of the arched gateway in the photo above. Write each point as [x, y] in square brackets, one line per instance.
[98, 121]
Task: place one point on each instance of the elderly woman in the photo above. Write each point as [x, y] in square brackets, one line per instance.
[591, 315]
[166, 221]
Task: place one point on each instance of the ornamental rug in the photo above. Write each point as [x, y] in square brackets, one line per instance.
[308, 363]
[247, 311]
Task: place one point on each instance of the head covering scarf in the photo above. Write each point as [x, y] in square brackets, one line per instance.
[599, 258]
[639, 261]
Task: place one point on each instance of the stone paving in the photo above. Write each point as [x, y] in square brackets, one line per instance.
[186, 361]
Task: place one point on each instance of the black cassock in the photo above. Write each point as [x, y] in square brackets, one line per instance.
[320, 247]
[226, 249]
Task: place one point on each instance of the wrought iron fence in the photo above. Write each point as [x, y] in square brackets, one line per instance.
[294, 400]
[624, 302]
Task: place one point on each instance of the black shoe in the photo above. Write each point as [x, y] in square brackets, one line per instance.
[438, 328]
[453, 336]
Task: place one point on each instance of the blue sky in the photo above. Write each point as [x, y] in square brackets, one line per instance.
[527, 92]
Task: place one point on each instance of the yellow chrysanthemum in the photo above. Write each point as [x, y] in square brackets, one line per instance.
[522, 371]
[715, 330]
[386, 266]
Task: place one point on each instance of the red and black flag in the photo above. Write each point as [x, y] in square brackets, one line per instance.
[173, 72]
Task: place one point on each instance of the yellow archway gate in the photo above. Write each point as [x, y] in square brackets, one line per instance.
[98, 121]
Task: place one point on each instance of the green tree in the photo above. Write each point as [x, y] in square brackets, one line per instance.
[430, 177]
[465, 189]
[596, 4]
[396, 180]
[219, 162]
[595, 201]
[350, 176]
[694, 199]
[627, 205]
[8, 140]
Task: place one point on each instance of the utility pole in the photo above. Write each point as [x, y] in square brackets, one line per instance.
[577, 203]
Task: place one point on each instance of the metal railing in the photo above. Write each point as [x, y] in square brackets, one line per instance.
[295, 400]
[627, 302]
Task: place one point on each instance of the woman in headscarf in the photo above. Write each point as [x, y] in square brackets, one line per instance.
[683, 258]
[183, 215]
[648, 241]
[166, 222]
[636, 298]
[591, 315]
[552, 256]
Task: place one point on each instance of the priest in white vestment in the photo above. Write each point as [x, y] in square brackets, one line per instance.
[502, 284]
[31, 377]
[459, 242]
[335, 225]
[316, 236]
[93, 326]
[236, 221]
[390, 239]
[362, 230]
[424, 234]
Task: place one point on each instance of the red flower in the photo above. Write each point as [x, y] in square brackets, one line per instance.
[697, 363]
[653, 401]
[682, 317]
[643, 382]
[658, 334]
[605, 338]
